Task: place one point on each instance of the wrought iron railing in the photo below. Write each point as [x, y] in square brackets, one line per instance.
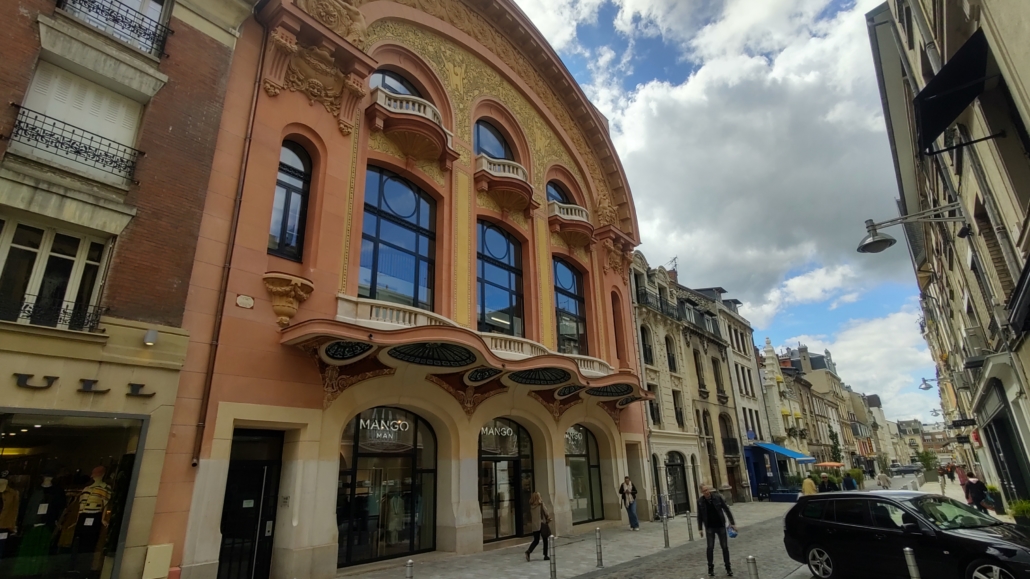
[48, 312]
[122, 22]
[86, 148]
[672, 361]
[648, 355]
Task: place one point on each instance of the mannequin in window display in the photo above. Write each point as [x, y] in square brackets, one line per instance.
[395, 522]
[9, 506]
[92, 503]
[42, 511]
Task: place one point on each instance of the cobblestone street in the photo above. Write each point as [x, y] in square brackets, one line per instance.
[626, 554]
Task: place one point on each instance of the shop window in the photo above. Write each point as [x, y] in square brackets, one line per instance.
[49, 277]
[289, 207]
[556, 192]
[499, 281]
[676, 481]
[490, 142]
[398, 241]
[583, 466]
[392, 82]
[571, 309]
[505, 478]
[386, 497]
[64, 490]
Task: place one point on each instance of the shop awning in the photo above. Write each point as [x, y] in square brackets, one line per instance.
[786, 452]
[948, 93]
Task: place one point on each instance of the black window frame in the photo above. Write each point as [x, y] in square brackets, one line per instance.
[428, 234]
[304, 192]
[558, 193]
[399, 78]
[579, 298]
[647, 344]
[670, 354]
[483, 124]
[516, 295]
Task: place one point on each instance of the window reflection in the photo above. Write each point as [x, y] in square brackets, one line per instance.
[289, 206]
[571, 309]
[584, 474]
[499, 281]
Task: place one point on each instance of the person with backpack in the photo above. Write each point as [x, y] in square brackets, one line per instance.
[712, 514]
[976, 493]
[849, 483]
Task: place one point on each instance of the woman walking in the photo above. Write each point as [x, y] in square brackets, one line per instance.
[539, 524]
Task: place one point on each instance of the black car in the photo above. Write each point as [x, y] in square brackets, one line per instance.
[865, 533]
[904, 469]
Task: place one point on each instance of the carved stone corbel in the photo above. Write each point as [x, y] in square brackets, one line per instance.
[287, 293]
[353, 92]
[282, 45]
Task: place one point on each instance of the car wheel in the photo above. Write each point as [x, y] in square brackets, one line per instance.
[821, 564]
[987, 569]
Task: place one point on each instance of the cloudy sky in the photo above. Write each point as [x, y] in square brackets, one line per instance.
[754, 142]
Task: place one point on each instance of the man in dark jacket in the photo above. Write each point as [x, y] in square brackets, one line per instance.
[710, 509]
[827, 485]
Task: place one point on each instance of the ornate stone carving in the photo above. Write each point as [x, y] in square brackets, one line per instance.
[613, 257]
[470, 397]
[281, 46]
[613, 410]
[339, 16]
[287, 293]
[555, 407]
[606, 214]
[335, 380]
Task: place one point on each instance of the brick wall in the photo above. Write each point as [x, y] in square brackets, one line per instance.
[19, 45]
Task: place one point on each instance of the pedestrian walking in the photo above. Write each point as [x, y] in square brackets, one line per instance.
[710, 510]
[849, 483]
[539, 524]
[951, 472]
[629, 500]
[976, 493]
[883, 480]
[827, 485]
[943, 478]
[808, 486]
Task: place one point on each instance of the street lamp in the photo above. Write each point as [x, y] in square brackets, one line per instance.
[926, 384]
[875, 241]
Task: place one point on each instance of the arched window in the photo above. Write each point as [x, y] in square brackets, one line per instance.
[499, 281]
[490, 142]
[700, 370]
[398, 246]
[286, 232]
[620, 352]
[555, 192]
[670, 353]
[505, 478]
[571, 308]
[584, 474]
[645, 342]
[676, 479]
[392, 82]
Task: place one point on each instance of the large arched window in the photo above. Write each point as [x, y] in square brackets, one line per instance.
[386, 497]
[392, 82]
[499, 281]
[286, 232]
[490, 142]
[584, 474]
[556, 192]
[645, 342]
[571, 309]
[397, 241]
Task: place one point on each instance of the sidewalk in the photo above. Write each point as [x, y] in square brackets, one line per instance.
[576, 554]
[954, 490]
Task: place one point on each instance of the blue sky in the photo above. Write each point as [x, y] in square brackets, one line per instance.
[753, 139]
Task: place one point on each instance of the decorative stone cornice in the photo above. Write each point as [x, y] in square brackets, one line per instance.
[339, 16]
[287, 293]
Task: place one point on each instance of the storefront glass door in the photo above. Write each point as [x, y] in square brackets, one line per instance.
[505, 479]
[676, 478]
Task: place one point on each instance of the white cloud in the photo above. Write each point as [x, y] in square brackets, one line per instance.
[816, 286]
[885, 356]
[558, 19]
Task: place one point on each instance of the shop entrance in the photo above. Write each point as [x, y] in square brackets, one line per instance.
[248, 513]
[676, 478]
[505, 478]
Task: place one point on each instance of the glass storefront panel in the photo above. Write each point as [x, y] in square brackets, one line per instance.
[583, 473]
[64, 488]
[386, 501]
[505, 478]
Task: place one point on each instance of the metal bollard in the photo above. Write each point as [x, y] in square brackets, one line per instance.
[409, 569]
[752, 567]
[665, 529]
[554, 557]
[597, 539]
[910, 558]
[690, 526]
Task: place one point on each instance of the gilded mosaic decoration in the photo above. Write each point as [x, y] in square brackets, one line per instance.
[378, 141]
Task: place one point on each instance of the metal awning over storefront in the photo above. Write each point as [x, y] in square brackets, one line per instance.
[801, 458]
[958, 83]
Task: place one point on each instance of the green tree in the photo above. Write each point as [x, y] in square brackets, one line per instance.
[928, 459]
[883, 461]
[835, 451]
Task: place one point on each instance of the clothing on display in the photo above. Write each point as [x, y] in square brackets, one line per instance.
[42, 511]
[9, 506]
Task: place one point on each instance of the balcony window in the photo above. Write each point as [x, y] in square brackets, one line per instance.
[645, 342]
[717, 370]
[699, 369]
[398, 241]
[571, 309]
[677, 404]
[289, 207]
[670, 353]
[656, 413]
[499, 281]
[49, 277]
[134, 22]
[490, 142]
[556, 193]
[392, 82]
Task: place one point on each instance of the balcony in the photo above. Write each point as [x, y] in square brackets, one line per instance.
[120, 21]
[51, 313]
[414, 125]
[662, 306]
[730, 446]
[572, 222]
[721, 394]
[507, 183]
[53, 140]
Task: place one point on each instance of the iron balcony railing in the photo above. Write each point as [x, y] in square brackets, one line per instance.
[49, 312]
[656, 415]
[122, 22]
[730, 446]
[648, 355]
[56, 137]
[656, 303]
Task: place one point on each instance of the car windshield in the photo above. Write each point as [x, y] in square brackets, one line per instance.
[950, 514]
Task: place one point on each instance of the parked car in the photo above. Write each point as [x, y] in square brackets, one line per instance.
[906, 469]
[837, 534]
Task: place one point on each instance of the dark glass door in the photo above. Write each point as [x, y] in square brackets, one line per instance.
[676, 478]
[248, 513]
[1003, 442]
[500, 498]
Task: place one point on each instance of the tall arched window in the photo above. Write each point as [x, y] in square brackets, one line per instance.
[645, 342]
[398, 248]
[499, 281]
[700, 369]
[670, 353]
[555, 192]
[676, 479]
[392, 82]
[571, 309]
[620, 348]
[490, 142]
[286, 232]
[584, 474]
